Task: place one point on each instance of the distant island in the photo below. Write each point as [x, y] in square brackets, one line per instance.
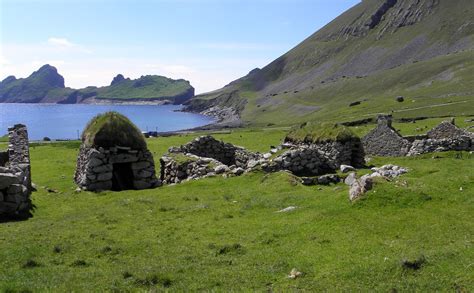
[46, 85]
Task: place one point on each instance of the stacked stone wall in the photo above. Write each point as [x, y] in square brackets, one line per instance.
[95, 167]
[15, 176]
[321, 158]
[209, 147]
[384, 140]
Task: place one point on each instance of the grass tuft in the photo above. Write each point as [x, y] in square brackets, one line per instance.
[311, 132]
[112, 129]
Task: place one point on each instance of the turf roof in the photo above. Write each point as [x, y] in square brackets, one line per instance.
[112, 129]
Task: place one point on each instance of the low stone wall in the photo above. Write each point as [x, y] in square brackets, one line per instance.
[209, 147]
[178, 168]
[440, 145]
[95, 168]
[317, 159]
[384, 140]
[204, 157]
[15, 176]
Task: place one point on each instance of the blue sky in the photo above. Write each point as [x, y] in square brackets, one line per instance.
[208, 42]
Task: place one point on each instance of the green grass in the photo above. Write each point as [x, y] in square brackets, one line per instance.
[4, 138]
[112, 129]
[225, 235]
[319, 132]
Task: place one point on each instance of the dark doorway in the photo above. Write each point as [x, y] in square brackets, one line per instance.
[122, 177]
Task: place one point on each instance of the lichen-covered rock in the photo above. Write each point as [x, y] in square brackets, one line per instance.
[360, 187]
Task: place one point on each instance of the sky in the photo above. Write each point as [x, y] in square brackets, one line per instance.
[208, 42]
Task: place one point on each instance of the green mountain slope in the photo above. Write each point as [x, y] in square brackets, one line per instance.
[47, 86]
[374, 52]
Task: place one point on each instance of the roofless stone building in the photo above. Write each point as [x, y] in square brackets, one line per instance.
[114, 156]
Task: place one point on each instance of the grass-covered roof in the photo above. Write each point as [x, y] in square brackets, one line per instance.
[311, 132]
[112, 129]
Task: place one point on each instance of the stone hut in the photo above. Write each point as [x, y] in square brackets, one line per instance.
[447, 130]
[114, 156]
[318, 149]
[384, 140]
[204, 157]
[15, 176]
[444, 137]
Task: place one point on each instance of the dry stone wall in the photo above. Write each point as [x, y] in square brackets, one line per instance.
[384, 140]
[317, 159]
[117, 168]
[15, 176]
[226, 153]
[205, 157]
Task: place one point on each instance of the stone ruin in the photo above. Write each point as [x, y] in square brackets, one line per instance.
[115, 163]
[310, 159]
[204, 157]
[384, 140]
[15, 176]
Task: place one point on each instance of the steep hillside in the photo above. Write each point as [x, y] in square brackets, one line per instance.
[368, 56]
[47, 86]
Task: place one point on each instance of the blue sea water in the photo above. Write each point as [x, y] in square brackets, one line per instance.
[67, 121]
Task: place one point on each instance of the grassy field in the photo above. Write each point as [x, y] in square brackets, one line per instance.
[224, 234]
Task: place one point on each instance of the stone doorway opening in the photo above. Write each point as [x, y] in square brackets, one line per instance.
[122, 177]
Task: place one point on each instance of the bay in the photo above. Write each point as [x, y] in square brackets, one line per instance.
[67, 121]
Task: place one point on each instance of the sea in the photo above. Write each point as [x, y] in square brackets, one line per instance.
[66, 122]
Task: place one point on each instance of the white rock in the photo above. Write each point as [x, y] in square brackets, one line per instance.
[288, 209]
[346, 168]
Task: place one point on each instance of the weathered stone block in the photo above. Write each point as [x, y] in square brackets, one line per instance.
[98, 186]
[123, 158]
[7, 179]
[104, 176]
[16, 188]
[140, 165]
[103, 168]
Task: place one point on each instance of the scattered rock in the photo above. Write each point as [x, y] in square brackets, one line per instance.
[308, 181]
[328, 179]
[400, 99]
[221, 169]
[360, 187]
[238, 171]
[288, 209]
[350, 179]
[295, 274]
[346, 168]
[389, 171]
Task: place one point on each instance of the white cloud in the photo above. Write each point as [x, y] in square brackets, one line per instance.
[60, 42]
